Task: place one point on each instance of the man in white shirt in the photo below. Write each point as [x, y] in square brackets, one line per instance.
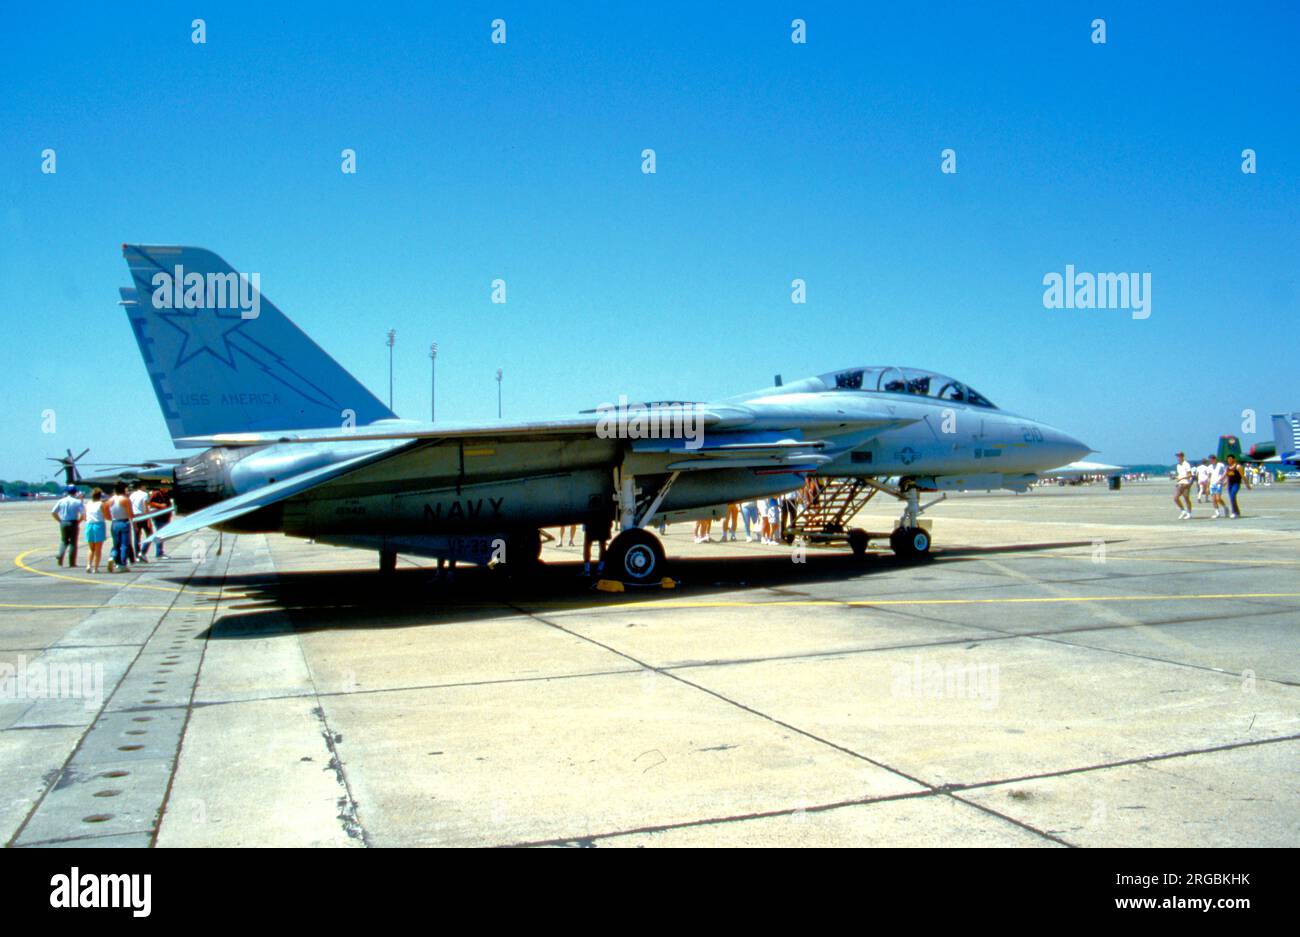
[1203, 481]
[1218, 474]
[68, 511]
[139, 529]
[1183, 487]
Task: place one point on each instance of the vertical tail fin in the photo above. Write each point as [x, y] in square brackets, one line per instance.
[223, 358]
[1286, 434]
[1229, 446]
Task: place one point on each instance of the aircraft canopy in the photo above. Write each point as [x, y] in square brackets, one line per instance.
[894, 380]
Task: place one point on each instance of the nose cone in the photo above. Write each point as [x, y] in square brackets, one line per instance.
[1065, 448]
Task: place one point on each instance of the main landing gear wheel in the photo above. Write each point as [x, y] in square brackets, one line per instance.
[910, 543]
[635, 557]
[387, 561]
[858, 541]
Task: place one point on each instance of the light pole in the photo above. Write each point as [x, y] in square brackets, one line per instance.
[433, 382]
[392, 337]
[498, 393]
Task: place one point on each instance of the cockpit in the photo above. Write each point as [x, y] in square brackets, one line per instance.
[892, 380]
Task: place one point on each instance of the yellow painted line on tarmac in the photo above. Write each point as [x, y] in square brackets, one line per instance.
[775, 603]
[46, 607]
[1148, 559]
[1006, 600]
[20, 562]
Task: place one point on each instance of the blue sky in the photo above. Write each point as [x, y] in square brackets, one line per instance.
[775, 161]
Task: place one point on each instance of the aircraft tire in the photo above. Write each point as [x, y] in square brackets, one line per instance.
[858, 541]
[387, 561]
[910, 543]
[635, 557]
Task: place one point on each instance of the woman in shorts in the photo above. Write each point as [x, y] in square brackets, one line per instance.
[96, 529]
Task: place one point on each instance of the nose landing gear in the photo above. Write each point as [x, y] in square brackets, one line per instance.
[910, 541]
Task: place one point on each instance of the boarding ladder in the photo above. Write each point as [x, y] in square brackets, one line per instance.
[838, 500]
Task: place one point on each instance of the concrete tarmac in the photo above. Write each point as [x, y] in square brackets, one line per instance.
[1074, 667]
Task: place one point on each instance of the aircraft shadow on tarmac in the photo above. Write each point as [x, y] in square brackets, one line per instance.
[274, 603]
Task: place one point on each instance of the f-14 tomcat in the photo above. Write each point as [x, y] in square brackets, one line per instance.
[294, 443]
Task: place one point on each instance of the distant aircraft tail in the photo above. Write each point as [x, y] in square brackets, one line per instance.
[1286, 434]
[223, 358]
[1229, 446]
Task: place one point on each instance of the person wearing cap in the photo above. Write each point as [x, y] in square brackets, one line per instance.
[1183, 487]
[68, 511]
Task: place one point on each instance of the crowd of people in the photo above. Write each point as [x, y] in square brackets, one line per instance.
[126, 516]
[1217, 483]
[766, 520]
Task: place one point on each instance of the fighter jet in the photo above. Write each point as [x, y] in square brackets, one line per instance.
[293, 443]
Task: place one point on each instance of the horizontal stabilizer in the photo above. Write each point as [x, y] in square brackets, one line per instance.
[250, 501]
